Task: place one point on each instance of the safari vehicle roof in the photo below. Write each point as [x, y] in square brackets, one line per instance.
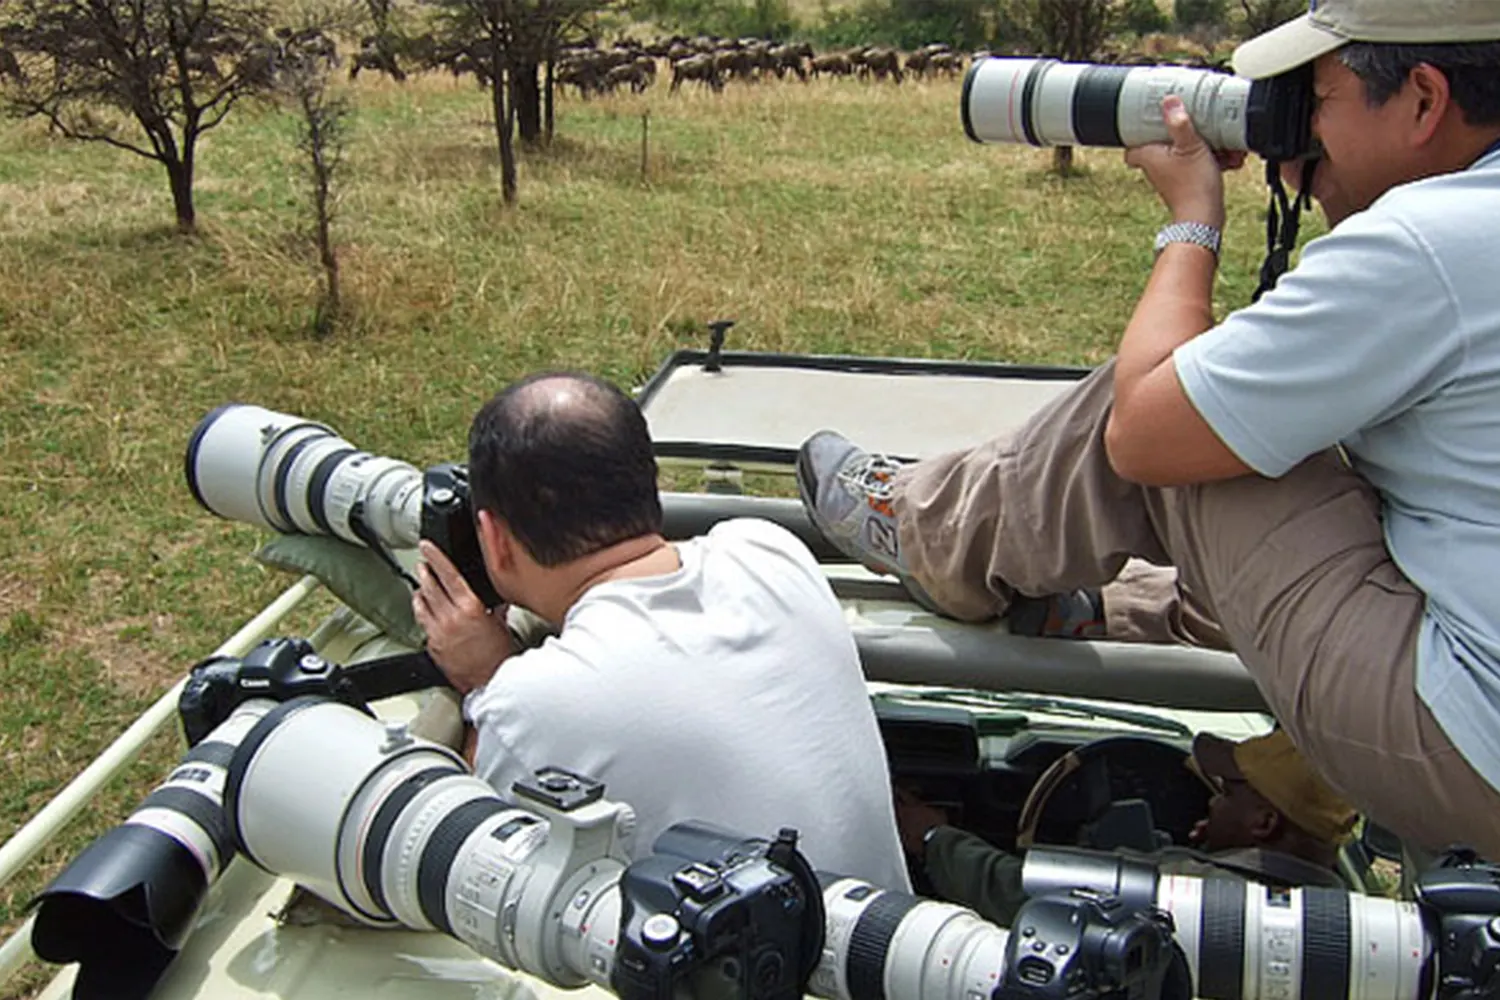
[730, 413]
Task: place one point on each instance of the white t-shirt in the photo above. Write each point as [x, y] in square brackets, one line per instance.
[728, 691]
[1386, 338]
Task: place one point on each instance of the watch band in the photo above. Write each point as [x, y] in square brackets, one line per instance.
[1197, 233]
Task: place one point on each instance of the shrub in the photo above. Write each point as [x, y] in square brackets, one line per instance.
[1143, 17]
[1197, 14]
[1263, 15]
[727, 18]
[906, 24]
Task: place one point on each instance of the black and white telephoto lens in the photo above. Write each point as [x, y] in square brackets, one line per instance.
[1046, 102]
[395, 831]
[880, 943]
[123, 908]
[1247, 941]
[1241, 940]
[296, 476]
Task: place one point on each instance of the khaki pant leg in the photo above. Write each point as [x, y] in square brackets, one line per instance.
[1294, 571]
[1146, 603]
[978, 526]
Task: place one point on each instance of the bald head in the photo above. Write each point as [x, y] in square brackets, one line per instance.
[565, 459]
[565, 397]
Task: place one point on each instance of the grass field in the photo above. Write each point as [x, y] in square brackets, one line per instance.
[834, 217]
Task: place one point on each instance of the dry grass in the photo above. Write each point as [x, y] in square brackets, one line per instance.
[833, 217]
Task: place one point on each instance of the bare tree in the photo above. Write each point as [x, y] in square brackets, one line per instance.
[1074, 31]
[553, 24]
[304, 67]
[508, 42]
[479, 33]
[174, 67]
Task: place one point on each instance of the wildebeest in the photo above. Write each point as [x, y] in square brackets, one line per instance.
[790, 57]
[632, 74]
[834, 64]
[375, 53]
[882, 63]
[701, 68]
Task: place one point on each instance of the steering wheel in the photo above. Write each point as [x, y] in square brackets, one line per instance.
[1081, 785]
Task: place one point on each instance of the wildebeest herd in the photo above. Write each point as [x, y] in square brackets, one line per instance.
[712, 62]
[595, 70]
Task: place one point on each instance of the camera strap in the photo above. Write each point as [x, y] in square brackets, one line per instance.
[393, 675]
[1283, 219]
[372, 541]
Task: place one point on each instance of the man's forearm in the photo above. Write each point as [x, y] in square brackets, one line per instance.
[1176, 307]
[967, 870]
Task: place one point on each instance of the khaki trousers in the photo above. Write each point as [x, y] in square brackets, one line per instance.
[1293, 571]
[1145, 603]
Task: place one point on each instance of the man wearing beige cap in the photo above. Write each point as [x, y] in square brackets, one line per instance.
[1361, 595]
[1271, 820]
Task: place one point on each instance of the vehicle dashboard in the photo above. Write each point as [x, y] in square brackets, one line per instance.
[982, 767]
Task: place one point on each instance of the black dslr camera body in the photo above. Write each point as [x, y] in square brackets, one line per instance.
[1084, 944]
[715, 916]
[1461, 900]
[448, 522]
[1278, 116]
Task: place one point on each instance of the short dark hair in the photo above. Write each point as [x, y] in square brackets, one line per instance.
[1472, 69]
[571, 478]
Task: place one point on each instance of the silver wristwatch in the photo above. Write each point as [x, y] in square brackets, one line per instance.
[1198, 233]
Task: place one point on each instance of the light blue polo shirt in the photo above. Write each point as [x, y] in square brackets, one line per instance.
[1386, 338]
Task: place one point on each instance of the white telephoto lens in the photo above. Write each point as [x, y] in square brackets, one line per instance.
[590, 927]
[1250, 940]
[295, 476]
[416, 862]
[1045, 102]
[993, 97]
[393, 505]
[1216, 102]
[284, 473]
[883, 943]
[224, 459]
[354, 481]
[293, 785]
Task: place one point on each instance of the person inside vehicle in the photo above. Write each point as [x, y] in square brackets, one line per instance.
[1359, 593]
[713, 679]
[1271, 820]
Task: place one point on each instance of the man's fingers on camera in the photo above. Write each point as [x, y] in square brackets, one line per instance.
[447, 575]
[447, 591]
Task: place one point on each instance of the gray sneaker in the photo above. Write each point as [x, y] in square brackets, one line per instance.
[847, 492]
[1076, 615]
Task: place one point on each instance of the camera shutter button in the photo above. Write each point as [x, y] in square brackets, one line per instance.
[660, 931]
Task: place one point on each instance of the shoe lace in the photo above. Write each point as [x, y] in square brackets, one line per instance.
[872, 477]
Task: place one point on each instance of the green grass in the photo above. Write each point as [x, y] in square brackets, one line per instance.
[835, 217]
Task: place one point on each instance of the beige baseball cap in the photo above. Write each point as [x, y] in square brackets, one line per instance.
[1328, 24]
[1271, 765]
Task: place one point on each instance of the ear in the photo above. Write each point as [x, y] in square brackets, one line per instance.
[496, 543]
[1432, 102]
[1265, 823]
